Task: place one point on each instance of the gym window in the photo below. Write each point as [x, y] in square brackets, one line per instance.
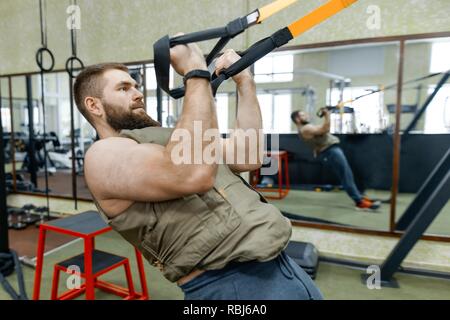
[369, 111]
[6, 120]
[275, 68]
[276, 112]
[440, 52]
[151, 78]
[151, 83]
[168, 114]
[222, 112]
[437, 116]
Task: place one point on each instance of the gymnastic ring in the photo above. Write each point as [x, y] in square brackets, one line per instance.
[39, 55]
[71, 69]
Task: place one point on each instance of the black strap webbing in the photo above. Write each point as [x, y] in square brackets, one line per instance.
[248, 57]
[162, 47]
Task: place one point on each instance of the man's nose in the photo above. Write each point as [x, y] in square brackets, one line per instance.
[138, 95]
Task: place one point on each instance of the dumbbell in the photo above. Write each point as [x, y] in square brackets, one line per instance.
[41, 211]
[11, 212]
[28, 208]
[18, 223]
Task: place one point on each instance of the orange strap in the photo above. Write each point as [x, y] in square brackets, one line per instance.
[273, 8]
[319, 15]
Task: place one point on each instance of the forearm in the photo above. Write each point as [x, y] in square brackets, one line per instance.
[247, 136]
[198, 106]
[199, 115]
[326, 124]
[248, 109]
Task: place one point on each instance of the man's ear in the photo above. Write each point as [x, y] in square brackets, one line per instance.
[94, 106]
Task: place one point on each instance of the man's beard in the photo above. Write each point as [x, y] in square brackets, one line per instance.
[304, 122]
[128, 119]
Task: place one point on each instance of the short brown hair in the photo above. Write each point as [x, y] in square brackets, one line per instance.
[294, 115]
[88, 84]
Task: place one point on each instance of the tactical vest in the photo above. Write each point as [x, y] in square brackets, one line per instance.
[231, 222]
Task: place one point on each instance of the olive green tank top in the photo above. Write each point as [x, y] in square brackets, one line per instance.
[231, 222]
[322, 142]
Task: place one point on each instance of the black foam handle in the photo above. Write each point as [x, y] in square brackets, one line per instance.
[251, 55]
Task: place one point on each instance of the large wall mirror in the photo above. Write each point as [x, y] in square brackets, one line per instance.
[353, 77]
[356, 80]
[427, 121]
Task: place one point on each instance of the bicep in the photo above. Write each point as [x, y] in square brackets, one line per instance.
[126, 170]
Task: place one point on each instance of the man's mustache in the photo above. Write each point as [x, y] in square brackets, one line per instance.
[137, 105]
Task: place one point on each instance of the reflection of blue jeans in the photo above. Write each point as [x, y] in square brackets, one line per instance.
[334, 158]
[277, 279]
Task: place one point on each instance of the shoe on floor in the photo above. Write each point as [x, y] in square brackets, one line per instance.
[367, 205]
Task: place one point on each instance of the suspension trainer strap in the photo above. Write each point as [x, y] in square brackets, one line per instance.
[392, 86]
[43, 70]
[162, 47]
[70, 69]
[251, 55]
[318, 16]
[44, 50]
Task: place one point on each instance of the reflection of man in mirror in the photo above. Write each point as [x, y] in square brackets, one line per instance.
[326, 149]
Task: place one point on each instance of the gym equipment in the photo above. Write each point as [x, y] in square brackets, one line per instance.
[86, 225]
[42, 217]
[430, 98]
[9, 261]
[284, 186]
[44, 49]
[429, 201]
[16, 219]
[305, 255]
[251, 55]
[70, 69]
[39, 61]
[29, 214]
[29, 218]
[393, 86]
[41, 154]
[102, 262]
[320, 113]
[21, 184]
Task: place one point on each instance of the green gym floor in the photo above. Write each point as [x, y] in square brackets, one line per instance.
[337, 207]
[335, 282]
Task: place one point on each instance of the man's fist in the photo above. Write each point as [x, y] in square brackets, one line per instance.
[187, 57]
[228, 58]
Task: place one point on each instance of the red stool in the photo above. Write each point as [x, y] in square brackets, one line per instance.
[92, 263]
[283, 184]
[102, 262]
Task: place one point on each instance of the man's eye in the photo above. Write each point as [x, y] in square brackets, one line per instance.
[123, 89]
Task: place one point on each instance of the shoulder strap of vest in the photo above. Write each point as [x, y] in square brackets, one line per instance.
[156, 135]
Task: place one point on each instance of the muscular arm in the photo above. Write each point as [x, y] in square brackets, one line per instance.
[310, 130]
[245, 138]
[121, 169]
